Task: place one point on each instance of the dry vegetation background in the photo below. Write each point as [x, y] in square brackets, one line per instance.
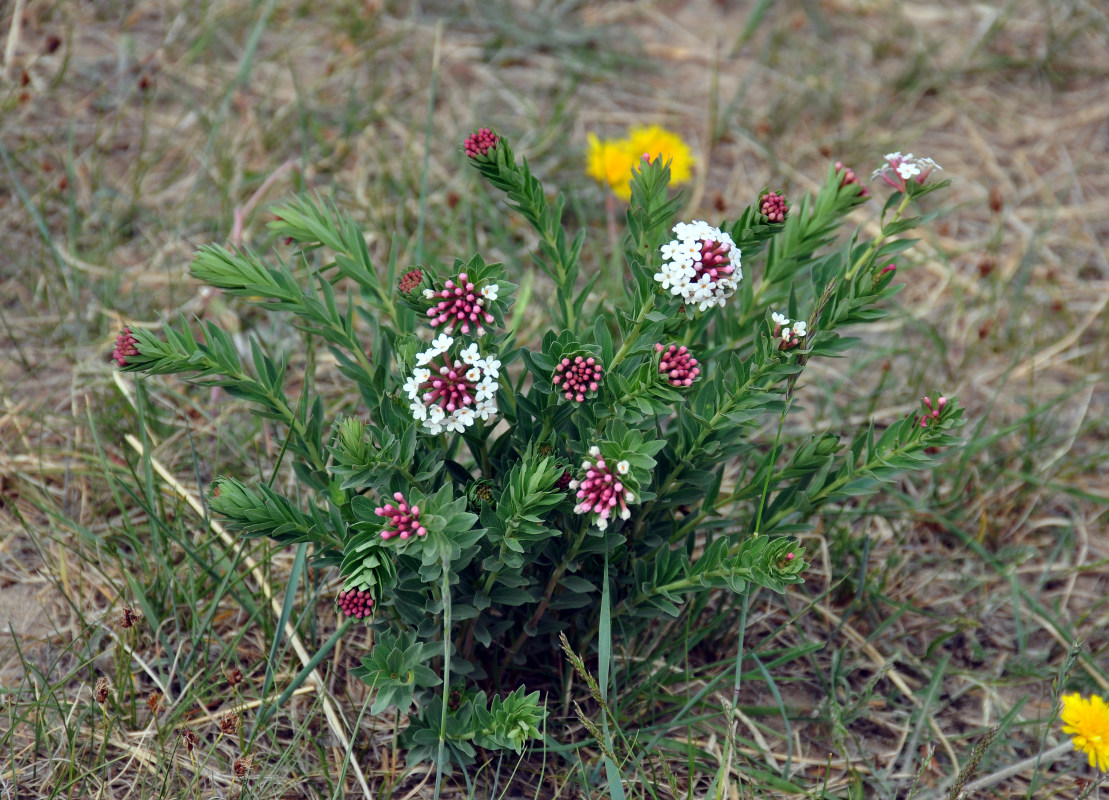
[133, 132]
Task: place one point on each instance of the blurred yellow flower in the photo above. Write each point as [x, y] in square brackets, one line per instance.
[610, 161]
[655, 141]
[1088, 722]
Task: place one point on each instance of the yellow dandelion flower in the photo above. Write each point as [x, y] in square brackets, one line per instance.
[610, 162]
[1088, 722]
[656, 141]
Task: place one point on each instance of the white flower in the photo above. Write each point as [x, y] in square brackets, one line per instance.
[625, 513]
[470, 355]
[419, 410]
[622, 467]
[787, 334]
[441, 343]
[486, 390]
[490, 292]
[454, 424]
[907, 170]
[421, 374]
[473, 374]
[602, 523]
[436, 414]
[486, 409]
[491, 367]
[628, 497]
[799, 329]
[779, 319]
[465, 416]
[666, 277]
[691, 250]
[593, 451]
[424, 358]
[429, 294]
[434, 428]
[894, 156]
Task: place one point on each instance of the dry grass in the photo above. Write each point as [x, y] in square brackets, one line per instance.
[134, 131]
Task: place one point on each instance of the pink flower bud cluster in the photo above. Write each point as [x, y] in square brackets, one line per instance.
[600, 491]
[410, 281]
[677, 365]
[850, 177]
[461, 304]
[126, 346]
[932, 413]
[402, 520]
[774, 207]
[900, 169]
[355, 603]
[577, 378]
[480, 142]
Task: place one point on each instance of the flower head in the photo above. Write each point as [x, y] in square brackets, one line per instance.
[900, 169]
[677, 365]
[773, 207]
[461, 304]
[126, 346]
[577, 378]
[848, 177]
[1087, 720]
[703, 265]
[790, 335]
[410, 281]
[610, 162]
[480, 142]
[601, 492]
[355, 603]
[401, 520]
[932, 413]
[450, 393]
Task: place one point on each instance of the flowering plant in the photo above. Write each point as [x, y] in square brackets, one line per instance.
[490, 494]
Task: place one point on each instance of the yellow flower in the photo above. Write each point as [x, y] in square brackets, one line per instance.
[611, 161]
[1088, 722]
[655, 141]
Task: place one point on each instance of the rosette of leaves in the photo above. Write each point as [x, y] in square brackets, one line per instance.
[504, 724]
[396, 669]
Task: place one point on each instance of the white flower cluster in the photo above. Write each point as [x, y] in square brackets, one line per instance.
[450, 393]
[702, 265]
[907, 166]
[782, 328]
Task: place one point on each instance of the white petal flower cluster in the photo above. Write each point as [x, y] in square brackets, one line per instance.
[903, 167]
[450, 393]
[790, 336]
[702, 265]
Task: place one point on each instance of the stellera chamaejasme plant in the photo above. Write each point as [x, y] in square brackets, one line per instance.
[487, 495]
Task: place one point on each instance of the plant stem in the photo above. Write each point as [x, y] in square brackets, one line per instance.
[556, 576]
[446, 590]
[633, 334]
[877, 242]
